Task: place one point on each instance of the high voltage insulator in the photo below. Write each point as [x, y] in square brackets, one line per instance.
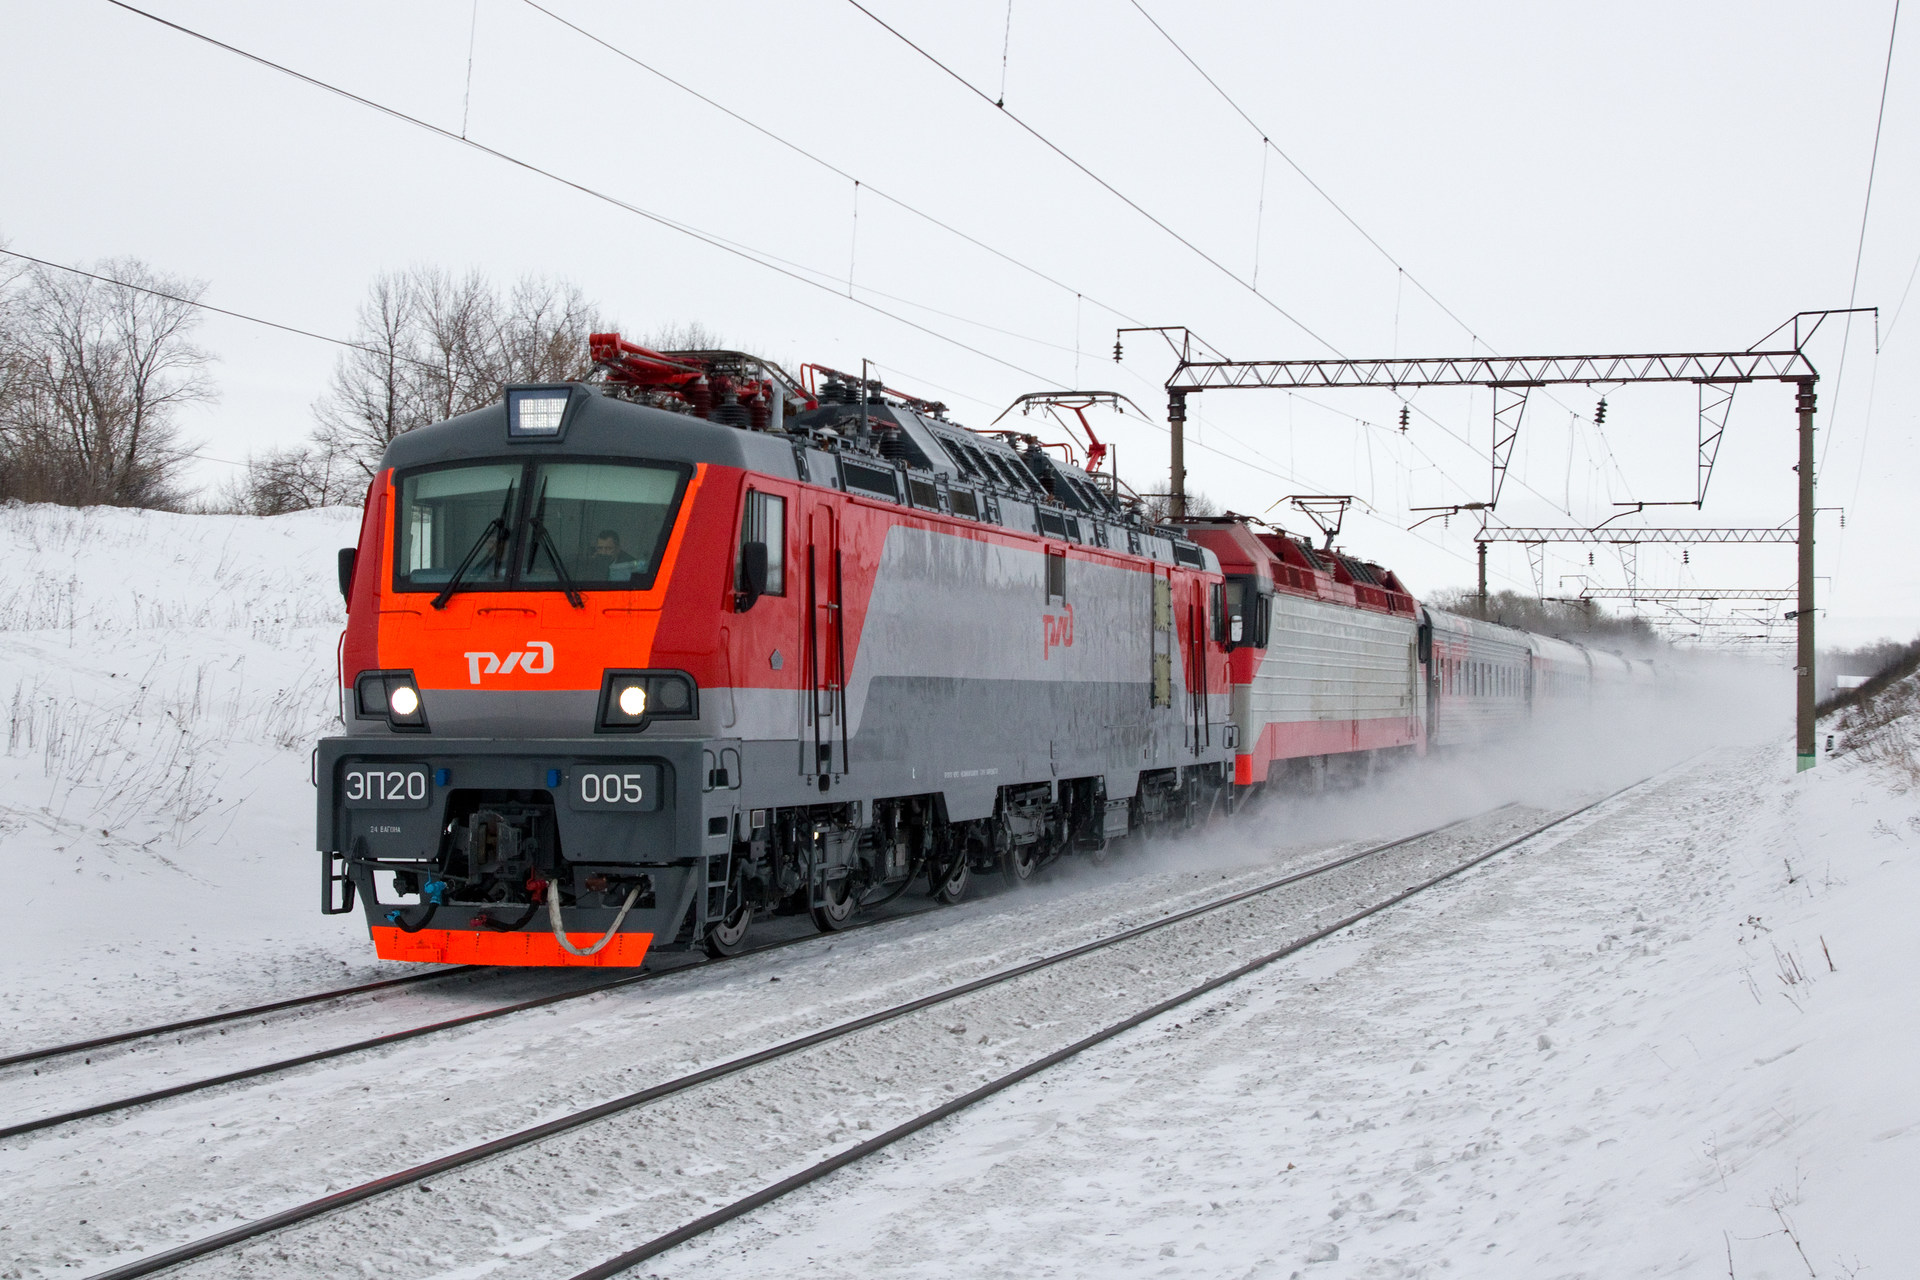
[1589, 558]
[1600, 412]
[1116, 351]
[1683, 556]
[1403, 417]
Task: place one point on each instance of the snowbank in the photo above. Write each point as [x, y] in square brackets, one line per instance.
[164, 678]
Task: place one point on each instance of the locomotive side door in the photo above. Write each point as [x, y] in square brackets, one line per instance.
[1162, 648]
[823, 727]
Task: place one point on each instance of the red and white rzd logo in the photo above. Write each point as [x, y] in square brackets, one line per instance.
[1056, 632]
[536, 660]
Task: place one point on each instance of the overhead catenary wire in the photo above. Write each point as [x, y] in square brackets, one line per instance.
[224, 311]
[1859, 251]
[747, 253]
[1099, 181]
[817, 159]
[1266, 141]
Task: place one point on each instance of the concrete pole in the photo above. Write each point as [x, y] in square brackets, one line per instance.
[1804, 728]
[1177, 422]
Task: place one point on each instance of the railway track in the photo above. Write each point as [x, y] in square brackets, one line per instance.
[364, 1045]
[780, 1053]
[230, 1015]
[660, 1244]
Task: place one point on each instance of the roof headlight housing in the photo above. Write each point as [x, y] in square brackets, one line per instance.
[537, 413]
[631, 700]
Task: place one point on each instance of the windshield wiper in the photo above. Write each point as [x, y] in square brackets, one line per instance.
[544, 540]
[496, 532]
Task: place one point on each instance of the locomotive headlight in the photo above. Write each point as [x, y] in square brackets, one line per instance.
[535, 412]
[633, 701]
[391, 696]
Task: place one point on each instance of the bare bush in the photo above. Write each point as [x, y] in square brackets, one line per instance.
[294, 479]
[431, 346]
[95, 374]
[1882, 730]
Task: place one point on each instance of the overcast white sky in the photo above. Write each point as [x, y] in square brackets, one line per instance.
[1563, 178]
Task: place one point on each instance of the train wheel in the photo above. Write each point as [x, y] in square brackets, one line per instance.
[835, 912]
[728, 937]
[1018, 864]
[954, 887]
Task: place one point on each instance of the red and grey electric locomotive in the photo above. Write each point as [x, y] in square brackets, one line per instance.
[631, 662]
[631, 668]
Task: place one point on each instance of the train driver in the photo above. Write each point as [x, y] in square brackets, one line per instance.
[609, 560]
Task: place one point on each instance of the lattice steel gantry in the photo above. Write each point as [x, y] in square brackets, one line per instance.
[1716, 373]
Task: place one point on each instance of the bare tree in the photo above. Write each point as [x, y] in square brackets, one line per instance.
[430, 346]
[293, 479]
[543, 335]
[1158, 507]
[14, 361]
[688, 336]
[97, 373]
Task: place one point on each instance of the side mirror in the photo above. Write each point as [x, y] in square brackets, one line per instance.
[753, 576]
[347, 555]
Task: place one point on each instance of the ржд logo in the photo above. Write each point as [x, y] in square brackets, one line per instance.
[536, 660]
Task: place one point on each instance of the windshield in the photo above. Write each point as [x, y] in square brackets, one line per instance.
[578, 524]
[607, 523]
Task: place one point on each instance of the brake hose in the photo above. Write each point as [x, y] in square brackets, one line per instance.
[396, 918]
[553, 917]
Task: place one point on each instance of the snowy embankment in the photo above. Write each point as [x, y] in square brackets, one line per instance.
[165, 677]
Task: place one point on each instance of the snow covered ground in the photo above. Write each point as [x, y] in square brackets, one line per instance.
[1673, 1040]
[1625, 1053]
[164, 678]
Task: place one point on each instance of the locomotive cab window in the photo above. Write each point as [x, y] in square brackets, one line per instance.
[1243, 615]
[534, 525]
[764, 521]
[598, 523]
[458, 514]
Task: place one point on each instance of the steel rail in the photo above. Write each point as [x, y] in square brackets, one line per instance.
[231, 1015]
[746, 1204]
[414, 1033]
[312, 1209]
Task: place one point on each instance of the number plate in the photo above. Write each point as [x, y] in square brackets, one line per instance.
[630, 787]
[395, 786]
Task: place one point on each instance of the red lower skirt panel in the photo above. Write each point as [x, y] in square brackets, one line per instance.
[472, 946]
[1290, 741]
